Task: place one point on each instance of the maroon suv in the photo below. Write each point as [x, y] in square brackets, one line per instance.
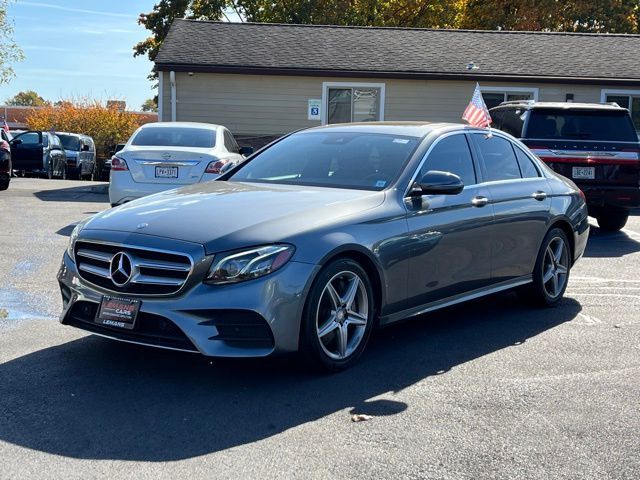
[595, 145]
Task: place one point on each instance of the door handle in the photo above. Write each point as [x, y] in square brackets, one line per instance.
[540, 195]
[479, 201]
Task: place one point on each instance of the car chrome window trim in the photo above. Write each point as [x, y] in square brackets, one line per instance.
[431, 147]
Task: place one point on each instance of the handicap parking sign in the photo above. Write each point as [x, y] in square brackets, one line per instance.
[313, 111]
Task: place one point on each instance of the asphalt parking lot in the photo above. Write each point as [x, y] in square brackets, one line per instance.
[493, 389]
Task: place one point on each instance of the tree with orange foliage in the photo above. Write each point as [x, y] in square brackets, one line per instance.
[107, 126]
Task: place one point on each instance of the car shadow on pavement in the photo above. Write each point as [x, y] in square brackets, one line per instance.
[84, 193]
[610, 244]
[97, 399]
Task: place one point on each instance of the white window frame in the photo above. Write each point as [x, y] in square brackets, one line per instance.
[613, 91]
[507, 90]
[325, 95]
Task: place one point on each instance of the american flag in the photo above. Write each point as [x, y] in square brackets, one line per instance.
[477, 113]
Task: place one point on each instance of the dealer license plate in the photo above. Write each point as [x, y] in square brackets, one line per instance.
[118, 312]
[586, 173]
[166, 172]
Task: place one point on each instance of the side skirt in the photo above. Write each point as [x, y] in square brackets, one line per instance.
[463, 297]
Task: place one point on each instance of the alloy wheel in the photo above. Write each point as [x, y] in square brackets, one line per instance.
[555, 267]
[342, 315]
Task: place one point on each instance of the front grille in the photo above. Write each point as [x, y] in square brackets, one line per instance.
[150, 329]
[150, 272]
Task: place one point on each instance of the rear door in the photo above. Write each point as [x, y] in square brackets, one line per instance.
[591, 147]
[450, 234]
[27, 154]
[521, 204]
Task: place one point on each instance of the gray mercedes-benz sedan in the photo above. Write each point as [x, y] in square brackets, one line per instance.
[322, 236]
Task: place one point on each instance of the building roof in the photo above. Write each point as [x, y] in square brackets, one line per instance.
[261, 48]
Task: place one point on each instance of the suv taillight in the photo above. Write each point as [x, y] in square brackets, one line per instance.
[118, 164]
[216, 166]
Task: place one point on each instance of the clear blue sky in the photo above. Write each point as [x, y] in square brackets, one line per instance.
[80, 48]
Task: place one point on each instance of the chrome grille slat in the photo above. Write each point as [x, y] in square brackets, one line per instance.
[162, 265]
[150, 280]
[151, 272]
[101, 272]
[103, 257]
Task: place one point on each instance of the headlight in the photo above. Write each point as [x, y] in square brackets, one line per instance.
[249, 264]
[72, 240]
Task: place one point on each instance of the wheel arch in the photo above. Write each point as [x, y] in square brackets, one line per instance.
[565, 225]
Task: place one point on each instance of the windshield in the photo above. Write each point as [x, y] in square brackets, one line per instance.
[331, 159]
[604, 125]
[69, 142]
[175, 137]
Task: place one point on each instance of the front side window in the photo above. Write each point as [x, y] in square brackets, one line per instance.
[29, 138]
[499, 158]
[175, 137]
[347, 104]
[451, 154]
[365, 161]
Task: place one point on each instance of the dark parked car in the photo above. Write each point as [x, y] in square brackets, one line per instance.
[5, 159]
[322, 235]
[81, 155]
[595, 145]
[39, 152]
[105, 171]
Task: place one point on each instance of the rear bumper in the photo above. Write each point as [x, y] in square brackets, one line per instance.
[122, 187]
[623, 197]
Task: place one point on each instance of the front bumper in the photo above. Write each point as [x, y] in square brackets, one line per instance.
[250, 319]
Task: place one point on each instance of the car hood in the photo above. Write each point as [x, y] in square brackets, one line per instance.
[228, 215]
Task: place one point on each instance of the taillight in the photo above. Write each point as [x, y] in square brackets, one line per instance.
[582, 195]
[118, 165]
[216, 166]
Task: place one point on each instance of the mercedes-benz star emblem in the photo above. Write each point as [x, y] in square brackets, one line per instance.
[121, 269]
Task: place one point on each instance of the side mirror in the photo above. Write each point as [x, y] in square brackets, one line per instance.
[15, 142]
[435, 182]
[246, 151]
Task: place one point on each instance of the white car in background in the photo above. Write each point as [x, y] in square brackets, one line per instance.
[165, 155]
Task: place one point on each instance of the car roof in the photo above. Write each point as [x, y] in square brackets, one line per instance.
[532, 105]
[71, 134]
[208, 126]
[412, 129]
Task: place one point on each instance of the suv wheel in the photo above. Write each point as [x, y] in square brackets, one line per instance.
[551, 271]
[338, 316]
[612, 220]
[50, 170]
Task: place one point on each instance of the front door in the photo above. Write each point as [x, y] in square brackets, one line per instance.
[27, 151]
[451, 235]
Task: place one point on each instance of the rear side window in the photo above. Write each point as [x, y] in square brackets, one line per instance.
[230, 143]
[499, 158]
[605, 125]
[175, 137]
[512, 122]
[451, 154]
[527, 166]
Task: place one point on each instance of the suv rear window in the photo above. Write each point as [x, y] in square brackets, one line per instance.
[605, 125]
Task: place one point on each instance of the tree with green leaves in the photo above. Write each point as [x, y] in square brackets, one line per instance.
[9, 51]
[150, 105]
[26, 98]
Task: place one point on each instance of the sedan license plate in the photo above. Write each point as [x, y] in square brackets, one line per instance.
[587, 173]
[118, 312]
[166, 172]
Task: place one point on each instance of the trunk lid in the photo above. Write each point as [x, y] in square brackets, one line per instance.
[167, 165]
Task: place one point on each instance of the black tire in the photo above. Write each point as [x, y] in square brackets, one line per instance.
[4, 184]
[613, 220]
[50, 170]
[318, 306]
[538, 292]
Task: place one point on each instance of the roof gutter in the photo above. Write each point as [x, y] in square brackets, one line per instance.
[308, 72]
